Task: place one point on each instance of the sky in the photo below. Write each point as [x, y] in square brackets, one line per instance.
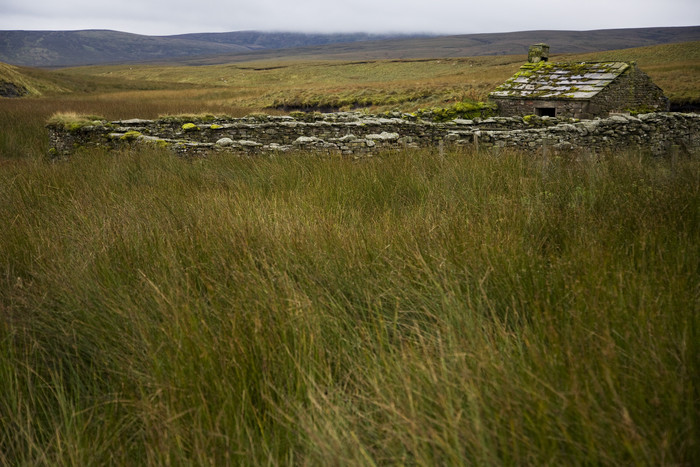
[167, 17]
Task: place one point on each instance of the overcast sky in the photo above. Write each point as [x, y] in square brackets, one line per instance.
[164, 17]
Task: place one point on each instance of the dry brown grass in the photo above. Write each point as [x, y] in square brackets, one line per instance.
[379, 85]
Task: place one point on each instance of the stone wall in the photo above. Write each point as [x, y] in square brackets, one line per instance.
[355, 134]
[632, 90]
[570, 108]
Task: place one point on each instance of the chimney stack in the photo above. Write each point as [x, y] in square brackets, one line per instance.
[538, 53]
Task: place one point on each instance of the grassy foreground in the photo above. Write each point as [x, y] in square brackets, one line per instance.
[407, 309]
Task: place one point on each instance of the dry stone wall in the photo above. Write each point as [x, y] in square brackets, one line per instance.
[632, 90]
[357, 135]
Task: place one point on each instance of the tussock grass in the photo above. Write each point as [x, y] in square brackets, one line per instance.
[407, 309]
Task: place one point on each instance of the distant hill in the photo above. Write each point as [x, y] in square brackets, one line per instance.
[76, 48]
[92, 47]
[469, 45]
[256, 40]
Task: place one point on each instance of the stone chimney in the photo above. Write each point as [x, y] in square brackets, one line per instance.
[538, 53]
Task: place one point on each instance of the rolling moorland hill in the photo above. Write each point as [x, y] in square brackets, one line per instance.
[469, 45]
[77, 48]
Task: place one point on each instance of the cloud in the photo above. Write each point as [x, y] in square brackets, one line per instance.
[440, 16]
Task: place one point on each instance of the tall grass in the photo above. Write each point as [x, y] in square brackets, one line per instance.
[407, 309]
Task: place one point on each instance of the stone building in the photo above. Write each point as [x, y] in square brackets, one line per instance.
[577, 90]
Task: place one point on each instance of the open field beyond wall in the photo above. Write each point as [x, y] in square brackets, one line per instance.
[380, 85]
[404, 309]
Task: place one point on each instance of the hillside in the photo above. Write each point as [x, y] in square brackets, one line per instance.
[77, 48]
[469, 45]
[256, 40]
[19, 82]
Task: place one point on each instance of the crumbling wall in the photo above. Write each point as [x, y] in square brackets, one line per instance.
[355, 134]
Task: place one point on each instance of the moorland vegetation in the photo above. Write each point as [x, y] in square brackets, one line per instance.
[412, 308]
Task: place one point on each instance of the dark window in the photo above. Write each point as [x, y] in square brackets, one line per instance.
[545, 111]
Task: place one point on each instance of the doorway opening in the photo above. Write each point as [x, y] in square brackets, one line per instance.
[546, 111]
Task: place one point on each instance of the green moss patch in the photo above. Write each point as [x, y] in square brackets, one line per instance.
[190, 127]
[130, 136]
[73, 122]
[189, 118]
[466, 110]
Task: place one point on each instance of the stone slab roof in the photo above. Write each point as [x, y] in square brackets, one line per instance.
[545, 80]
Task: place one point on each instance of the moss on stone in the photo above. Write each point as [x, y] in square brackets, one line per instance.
[190, 127]
[130, 136]
[73, 122]
[643, 109]
[306, 116]
[465, 110]
[188, 118]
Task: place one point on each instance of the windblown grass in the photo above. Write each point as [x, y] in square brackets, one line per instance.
[408, 309]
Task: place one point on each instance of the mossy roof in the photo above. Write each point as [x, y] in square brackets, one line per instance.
[545, 80]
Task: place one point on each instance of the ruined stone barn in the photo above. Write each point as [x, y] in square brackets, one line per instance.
[577, 90]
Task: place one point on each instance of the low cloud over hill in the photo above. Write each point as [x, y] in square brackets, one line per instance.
[75, 48]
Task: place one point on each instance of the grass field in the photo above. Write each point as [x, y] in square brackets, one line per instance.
[410, 309]
[375, 85]
[389, 84]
